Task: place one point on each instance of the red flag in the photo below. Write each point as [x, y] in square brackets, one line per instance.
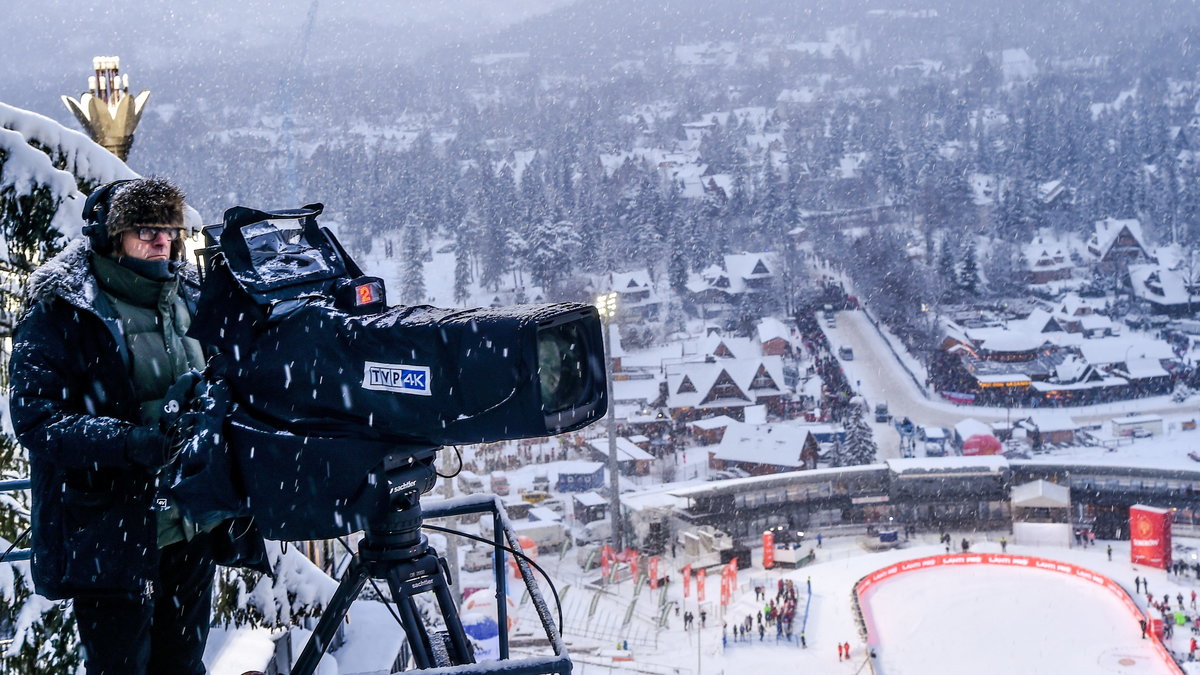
[687, 580]
[700, 575]
[654, 573]
[633, 565]
[606, 553]
[768, 550]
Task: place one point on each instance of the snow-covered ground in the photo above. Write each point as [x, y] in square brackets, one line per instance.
[941, 620]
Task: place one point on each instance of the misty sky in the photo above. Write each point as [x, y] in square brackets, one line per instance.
[46, 38]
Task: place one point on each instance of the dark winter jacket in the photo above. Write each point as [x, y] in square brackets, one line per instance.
[73, 403]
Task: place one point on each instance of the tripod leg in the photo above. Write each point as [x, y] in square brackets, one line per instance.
[331, 618]
[461, 650]
[414, 628]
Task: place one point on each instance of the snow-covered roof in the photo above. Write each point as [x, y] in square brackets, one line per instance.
[710, 423]
[1003, 341]
[1107, 231]
[590, 499]
[576, 466]
[1138, 419]
[770, 328]
[1162, 286]
[988, 463]
[1110, 350]
[971, 427]
[631, 282]
[1049, 421]
[776, 444]
[690, 384]
[1041, 494]
[1143, 369]
[729, 347]
[626, 450]
[644, 391]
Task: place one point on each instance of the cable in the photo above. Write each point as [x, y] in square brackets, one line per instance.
[553, 590]
[13, 545]
[460, 464]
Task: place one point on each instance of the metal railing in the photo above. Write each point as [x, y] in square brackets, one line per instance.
[15, 485]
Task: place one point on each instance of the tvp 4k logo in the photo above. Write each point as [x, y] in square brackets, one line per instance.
[397, 377]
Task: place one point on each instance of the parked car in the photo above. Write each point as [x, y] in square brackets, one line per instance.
[469, 482]
[881, 412]
[499, 483]
[845, 353]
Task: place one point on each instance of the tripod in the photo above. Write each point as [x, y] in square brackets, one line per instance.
[393, 549]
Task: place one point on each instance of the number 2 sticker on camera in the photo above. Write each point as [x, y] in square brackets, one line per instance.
[397, 377]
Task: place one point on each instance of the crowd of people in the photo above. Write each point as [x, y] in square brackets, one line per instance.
[778, 614]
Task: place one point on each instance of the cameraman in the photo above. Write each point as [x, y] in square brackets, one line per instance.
[102, 340]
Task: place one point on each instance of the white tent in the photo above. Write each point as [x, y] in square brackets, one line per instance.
[1041, 494]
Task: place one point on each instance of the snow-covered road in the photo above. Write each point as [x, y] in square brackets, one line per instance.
[879, 376]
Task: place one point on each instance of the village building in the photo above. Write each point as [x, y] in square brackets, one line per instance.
[743, 286]
[1170, 292]
[1045, 260]
[725, 387]
[637, 300]
[631, 460]
[1116, 244]
[766, 449]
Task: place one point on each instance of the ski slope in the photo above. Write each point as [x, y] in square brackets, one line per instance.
[986, 619]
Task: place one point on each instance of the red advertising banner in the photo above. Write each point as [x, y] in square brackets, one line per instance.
[700, 575]
[606, 556]
[768, 550]
[654, 573]
[1027, 562]
[633, 566]
[687, 580]
[1150, 536]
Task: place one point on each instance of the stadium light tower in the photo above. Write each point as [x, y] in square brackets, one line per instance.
[106, 111]
[607, 305]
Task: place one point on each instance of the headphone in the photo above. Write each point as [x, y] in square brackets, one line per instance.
[95, 212]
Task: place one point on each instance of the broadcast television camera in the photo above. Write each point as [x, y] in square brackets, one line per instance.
[333, 404]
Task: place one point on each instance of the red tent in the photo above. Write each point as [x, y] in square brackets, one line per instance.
[982, 444]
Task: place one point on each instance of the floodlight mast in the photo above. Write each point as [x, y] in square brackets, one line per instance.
[607, 306]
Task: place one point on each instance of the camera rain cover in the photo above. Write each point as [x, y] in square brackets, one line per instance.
[416, 374]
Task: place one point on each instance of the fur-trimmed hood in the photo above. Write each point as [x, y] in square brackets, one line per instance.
[69, 276]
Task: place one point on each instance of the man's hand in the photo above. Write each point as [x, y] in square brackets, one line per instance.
[148, 447]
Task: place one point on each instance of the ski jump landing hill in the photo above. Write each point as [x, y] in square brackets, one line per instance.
[1046, 608]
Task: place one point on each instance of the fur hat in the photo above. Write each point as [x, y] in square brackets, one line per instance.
[145, 201]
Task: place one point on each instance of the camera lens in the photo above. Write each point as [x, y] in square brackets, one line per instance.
[560, 367]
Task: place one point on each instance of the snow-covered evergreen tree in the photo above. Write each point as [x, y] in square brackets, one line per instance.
[412, 254]
[297, 590]
[859, 446]
[968, 270]
[462, 266]
[44, 168]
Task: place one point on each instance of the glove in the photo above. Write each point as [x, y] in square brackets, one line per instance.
[148, 448]
[178, 397]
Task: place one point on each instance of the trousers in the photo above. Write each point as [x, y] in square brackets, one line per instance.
[160, 633]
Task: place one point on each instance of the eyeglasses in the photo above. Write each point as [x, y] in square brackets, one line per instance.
[151, 233]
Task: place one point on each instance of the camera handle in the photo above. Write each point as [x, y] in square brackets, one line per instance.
[394, 550]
